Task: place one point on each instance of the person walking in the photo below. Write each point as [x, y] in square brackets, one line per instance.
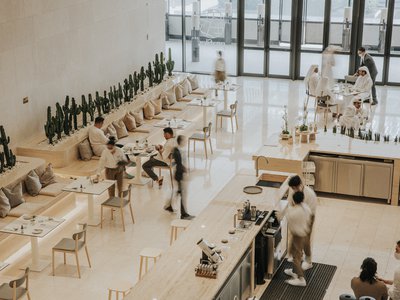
[298, 218]
[220, 73]
[368, 61]
[113, 160]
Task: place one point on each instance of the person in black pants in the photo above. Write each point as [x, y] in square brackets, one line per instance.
[368, 61]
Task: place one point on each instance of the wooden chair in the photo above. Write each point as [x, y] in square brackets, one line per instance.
[201, 137]
[121, 287]
[14, 290]
[169, 168]
[228, 113]
[350, 79]
[72, 246]
[145, 254]
[175, 225]
[118, 203]
[323, 104]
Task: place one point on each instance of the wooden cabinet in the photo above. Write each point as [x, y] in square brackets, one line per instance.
[325, 173]
[349, 177]
[377, 180]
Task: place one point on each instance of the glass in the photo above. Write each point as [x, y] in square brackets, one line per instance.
[394, 74]
[253, 61]
[279, 63]
[395, 47]
[173, 31]
[254, 23]
[340, 24]
[312, 24]
[280, 26]
[374, 31]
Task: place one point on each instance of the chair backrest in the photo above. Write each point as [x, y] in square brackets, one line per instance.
[350, 78]
[322, 100]
[79, 235]
[20, 281]
[207, 130]
[233, 108]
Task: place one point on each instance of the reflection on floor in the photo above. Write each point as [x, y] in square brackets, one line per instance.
[346, 231]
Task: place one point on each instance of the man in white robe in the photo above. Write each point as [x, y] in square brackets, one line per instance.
[354, 115]
[363, 85]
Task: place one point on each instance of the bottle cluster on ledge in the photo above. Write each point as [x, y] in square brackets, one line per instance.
[65, 119]
[7, 157]
[366, 136]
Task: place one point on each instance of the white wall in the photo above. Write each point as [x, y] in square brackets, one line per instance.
[51, 48]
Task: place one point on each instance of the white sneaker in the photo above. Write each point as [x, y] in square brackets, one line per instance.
[290, 273]
[297, 281]
[306, 265]
[290, 259]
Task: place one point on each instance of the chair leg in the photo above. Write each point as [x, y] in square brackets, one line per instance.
[172, 178]
[205, 148]
[209, 140]
[237, 124]
[28, 295]
[131, 210]
[175, 233]
[112, 214]
[141, 267]
[216, 123]
[232, 124]
[146, 263]
[101, 216]
[188, 147]
[52, 261]
[109, 294]
[172, 236]
[77, 264]
[117, 295]
[65, 258]
[87, 255]
[220, 121]
[194, 146]
[122, 218]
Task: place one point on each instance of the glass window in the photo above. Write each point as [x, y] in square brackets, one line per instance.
[173, 31]
[281, 16]
[395, 47]
[394, 74]
[374, 31]
[279, 63]
[312, 24]
[340, 25]
[253, 61]
[254, 23]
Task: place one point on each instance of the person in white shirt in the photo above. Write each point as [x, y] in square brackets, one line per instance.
[220, 74]
[394, 289]
[113, 160]
[354, 115]
[298, 218]
[98, 140]
[311, 80]
[363, 84]
[163, 156]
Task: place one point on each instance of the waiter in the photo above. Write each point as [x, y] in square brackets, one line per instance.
[368, 61]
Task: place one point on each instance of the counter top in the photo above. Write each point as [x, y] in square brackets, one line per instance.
[173, 276]
[329, 143]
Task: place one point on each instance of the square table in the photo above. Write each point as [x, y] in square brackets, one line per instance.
[87, 186]
[139, 151]
[228, 87]
[35, 227]
[173, 123]
[203, 103]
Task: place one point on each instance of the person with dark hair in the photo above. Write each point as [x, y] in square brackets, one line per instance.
[368, 61]
[163, 157]
[298, 218]
[394, 290]
[310, 198]
[113, 160]
[97, 137]
[179, 157]
[367, 284]
[220, 72]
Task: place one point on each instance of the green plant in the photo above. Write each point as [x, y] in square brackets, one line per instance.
[157, 72]
[98, 101]
[142, 77]
[59, 121]
[116, 97]
[303, 127]
[126, 90]
[342, 129]
[136, 82]
[92, 107]
[75, 111]
[106, 103]
[162, 66]
[85, 111]
[8, 159]
[120, 93]
[150, 74]
[111, 98]
[170, 63]
[49, 127]
[285, 128]
[67, 116]
[130, 87]
[2, 163]
[334, 129]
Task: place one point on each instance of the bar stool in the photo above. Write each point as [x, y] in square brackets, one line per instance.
[122, 287]
[175, 225]
[145, 254]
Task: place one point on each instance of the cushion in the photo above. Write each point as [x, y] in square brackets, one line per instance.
[32, 183]
[186, 88]
[170, 94]
[4, 205]
[148, 111]
[85, 151]
[130, 122]
[53, 189]
[120, 128]
[48, 176]
[178, 92]
[144, 129]
[193, 82]
[157, 103]
[111, 131]
[40, 170]
[200, 91]
[164, 101]
[26, 208]
[14, 195]
[138, 117]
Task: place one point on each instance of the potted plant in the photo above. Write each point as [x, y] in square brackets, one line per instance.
[303, 133]
[285, 128]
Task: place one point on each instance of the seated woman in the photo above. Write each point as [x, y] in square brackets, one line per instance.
[367, 284]
[354, 115]
[311, 80]
[363, 84]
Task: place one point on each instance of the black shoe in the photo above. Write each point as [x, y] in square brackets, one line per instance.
[187, 217]
[374, 103]
[169, 208]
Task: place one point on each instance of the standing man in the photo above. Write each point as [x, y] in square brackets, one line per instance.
[368, 61]
[220, 73]
[163, 156]
[298, 219]
[98, 140]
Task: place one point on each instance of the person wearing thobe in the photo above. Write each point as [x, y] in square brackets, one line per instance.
[113, 160]
[328, 62]
[362, 86]
[163, 156]
[367, 61]
[394, 289]
[298, 219]
[98, 140]
[311, 80]
[310, 198]
[354, 115]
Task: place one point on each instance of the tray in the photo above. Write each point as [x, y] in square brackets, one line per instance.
[252, 189]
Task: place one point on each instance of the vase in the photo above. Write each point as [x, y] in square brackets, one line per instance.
[304, 138]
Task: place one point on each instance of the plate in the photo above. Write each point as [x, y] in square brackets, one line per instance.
[37, 231]
[252, 189]
[27, 218]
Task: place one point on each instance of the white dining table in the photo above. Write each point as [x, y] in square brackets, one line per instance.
[207, 103]
[228, 87]
[35, 227]
[173, 123]
[84, 185]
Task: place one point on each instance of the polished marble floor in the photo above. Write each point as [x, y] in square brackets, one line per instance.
[346, 231]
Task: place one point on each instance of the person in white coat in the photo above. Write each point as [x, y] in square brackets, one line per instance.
[97, 138]
[394, 289]
[363, 85]
[354, 115]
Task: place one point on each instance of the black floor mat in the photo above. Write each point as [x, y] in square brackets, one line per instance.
[318, 279]
[267, 183]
